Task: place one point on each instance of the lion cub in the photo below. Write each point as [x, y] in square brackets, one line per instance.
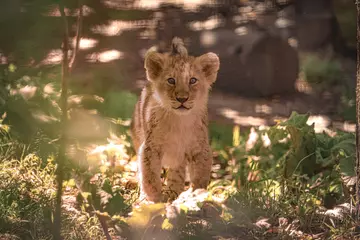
[170, 125]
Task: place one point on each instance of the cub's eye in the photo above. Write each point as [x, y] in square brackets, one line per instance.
[193, 80]
[171, 81]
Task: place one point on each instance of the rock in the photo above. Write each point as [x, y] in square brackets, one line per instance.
[272, 66]
[253, 63]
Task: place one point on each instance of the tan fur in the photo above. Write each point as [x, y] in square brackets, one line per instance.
[164, 136]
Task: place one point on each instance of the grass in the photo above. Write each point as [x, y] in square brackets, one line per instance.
[26, 197]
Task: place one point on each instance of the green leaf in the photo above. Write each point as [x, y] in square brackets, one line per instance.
[106, 186]
[227, 216]
[70, 183]
[142, 216]
[347, 166]
[116, 204]
[86, 195]
[184, 208]
[296, 120]
[348, 146]
[166, 225]
[12, 67]
[276, 134]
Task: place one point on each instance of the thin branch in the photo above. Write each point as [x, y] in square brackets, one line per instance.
[66, 69]
[78, 36]
[62, 145]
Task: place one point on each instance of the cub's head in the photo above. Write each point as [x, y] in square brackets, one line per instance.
[180, 82]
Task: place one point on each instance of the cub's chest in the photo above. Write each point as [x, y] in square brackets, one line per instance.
[176, 142]
[176, 137]
[176, 130]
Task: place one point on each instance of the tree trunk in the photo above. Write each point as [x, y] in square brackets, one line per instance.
[358, 112]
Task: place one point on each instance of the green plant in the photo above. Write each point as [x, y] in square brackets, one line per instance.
[119, 104]
[297, 164]
[27, 194]
[321, 72]
[327, 75]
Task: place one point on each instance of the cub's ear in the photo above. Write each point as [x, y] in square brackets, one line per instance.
[154, 63]
[209, 63]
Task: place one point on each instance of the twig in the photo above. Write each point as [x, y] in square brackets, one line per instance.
[62, 143]
[78, 36]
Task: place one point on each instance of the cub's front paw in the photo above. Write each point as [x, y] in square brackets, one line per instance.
[169, 196]
[152, 196]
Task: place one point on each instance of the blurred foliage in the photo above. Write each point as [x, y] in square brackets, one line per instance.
[326, 74]
[220, 135]
[322, 72]
[31, 104]
[30, 29]
[346, 15]
[119, 104]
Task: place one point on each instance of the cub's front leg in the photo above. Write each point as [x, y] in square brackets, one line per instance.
[200, 168]
[175, 182]
[149, 160]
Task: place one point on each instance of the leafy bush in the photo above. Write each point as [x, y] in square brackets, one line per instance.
[31, 110]
[326, 75]
[119, 104]
[291, 163]
[322, 71]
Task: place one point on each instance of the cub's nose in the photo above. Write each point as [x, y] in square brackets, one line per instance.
[182, 99]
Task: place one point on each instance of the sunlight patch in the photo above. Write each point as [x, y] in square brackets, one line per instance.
[81, 121]
[3, 59]
[186, 4]
[106, 56]
[42, 117]
[54, 57]
[26, 92]
[242, 120]
[229, 113]
[241, 31]
[55, 12]
[116, 27]
[250, 121]
[345, 126]
[208, 39]
[212, 23]
[263, 108]
[49, 89]
[321, 122]
[85, 43]
[109, 155]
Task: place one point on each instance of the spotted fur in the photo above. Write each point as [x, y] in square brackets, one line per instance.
[171, 134]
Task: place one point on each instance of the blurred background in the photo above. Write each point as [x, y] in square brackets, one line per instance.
[276, 56]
